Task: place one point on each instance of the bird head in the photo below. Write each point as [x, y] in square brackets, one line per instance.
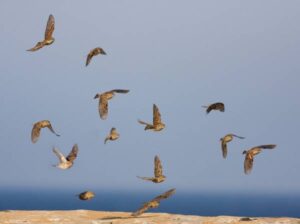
[244, 152]
[97, 96]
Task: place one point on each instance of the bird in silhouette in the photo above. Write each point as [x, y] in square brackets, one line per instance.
[225, 140]
[66, 162]
[154, 203]
[249, 156]
[49, 39]
[158, 172]
[215, 106]
[103, 101]
[113, 135]
[36, 130]
[87, 195]
[94, 52]
[157, 125]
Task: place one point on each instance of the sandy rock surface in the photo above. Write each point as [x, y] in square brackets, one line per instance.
[99, 217]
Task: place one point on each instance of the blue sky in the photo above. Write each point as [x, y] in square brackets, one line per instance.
[179, 55]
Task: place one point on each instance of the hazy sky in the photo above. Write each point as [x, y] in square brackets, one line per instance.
[177, 54]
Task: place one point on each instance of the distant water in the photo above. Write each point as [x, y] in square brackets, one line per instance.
[183, 203]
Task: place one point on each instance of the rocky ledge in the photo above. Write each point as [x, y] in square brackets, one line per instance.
[99, 217]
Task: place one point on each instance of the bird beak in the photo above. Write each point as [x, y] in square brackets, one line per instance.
[104, 52]
[97, 96]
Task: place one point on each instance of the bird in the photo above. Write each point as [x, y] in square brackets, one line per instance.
[113, 135]
[158, 172]
[49, 39]
[227, 138]
[157, 125]
[103, 101]
[154, 203]
[94, 52]
[249, 156]
[87, 195]
[36, 130]
[66, 162]
[215, 106]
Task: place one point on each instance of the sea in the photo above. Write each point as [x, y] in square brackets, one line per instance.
[204, 204]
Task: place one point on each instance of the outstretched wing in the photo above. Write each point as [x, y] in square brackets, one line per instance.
[49, 28]
[49, 126]
[73, 154]
[142, 209]
[165, 195]
[146, 178]
[271, 146]
[248, 164]
[89, 58]
[120, 90]
[35, 132]
[224, 149]
[60, 156]
[39, 45]
[157, 167]
[156, 115]
[143, 122]
[103, 106]
[238, 136]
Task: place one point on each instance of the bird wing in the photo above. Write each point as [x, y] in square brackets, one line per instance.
[120, 90]
[39, 45]
[49, 28]
[89, 57]
[156, 115]
[60, 156]
[143, 122]
[73, 154]
[238, 136]
[248, 163]
[35, 133]
[146, 178]
[103, 106]
[165, 195]
[271, 146]
[49, 126]
[157, 167]
[224, 149]
[220, 107]
[142, 209]
[210, 108]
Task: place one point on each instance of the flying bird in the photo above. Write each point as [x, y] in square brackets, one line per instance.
[157, 123]
[215, 106]
[113, 135]
[49, 39]
[248, 163]
[93, 53]
[225, 140]
[103, 101]
[158, 172]
[36, 130]
[87, 195]
[66, 162]
[154, 203]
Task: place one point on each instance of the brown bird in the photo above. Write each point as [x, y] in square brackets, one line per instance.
[158, 172]
[36, 130]
[93, 53]
[113, 135]
[154, 203]
[225, 140]
[48, 35]
[157, 123]
[103, 101]
[87, 195]
[248, 163]
[215, 106]
[66, 163]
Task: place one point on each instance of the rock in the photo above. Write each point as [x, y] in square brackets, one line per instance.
[101, 217]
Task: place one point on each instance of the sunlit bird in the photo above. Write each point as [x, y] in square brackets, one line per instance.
[36, 130]
[113, 135]
[66, 162]
[215, 106]
[103, 101]
[248, 163]
[158, 172]
[154, 203]
[157, 125]
[49, 39]
[225, 140]
[87, 195]
[93, 53]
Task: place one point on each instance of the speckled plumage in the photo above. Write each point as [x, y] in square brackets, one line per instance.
[94, 52]
[158, 172]
[157, 125]
[227, 138]
[66, 162]
[36, 129]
